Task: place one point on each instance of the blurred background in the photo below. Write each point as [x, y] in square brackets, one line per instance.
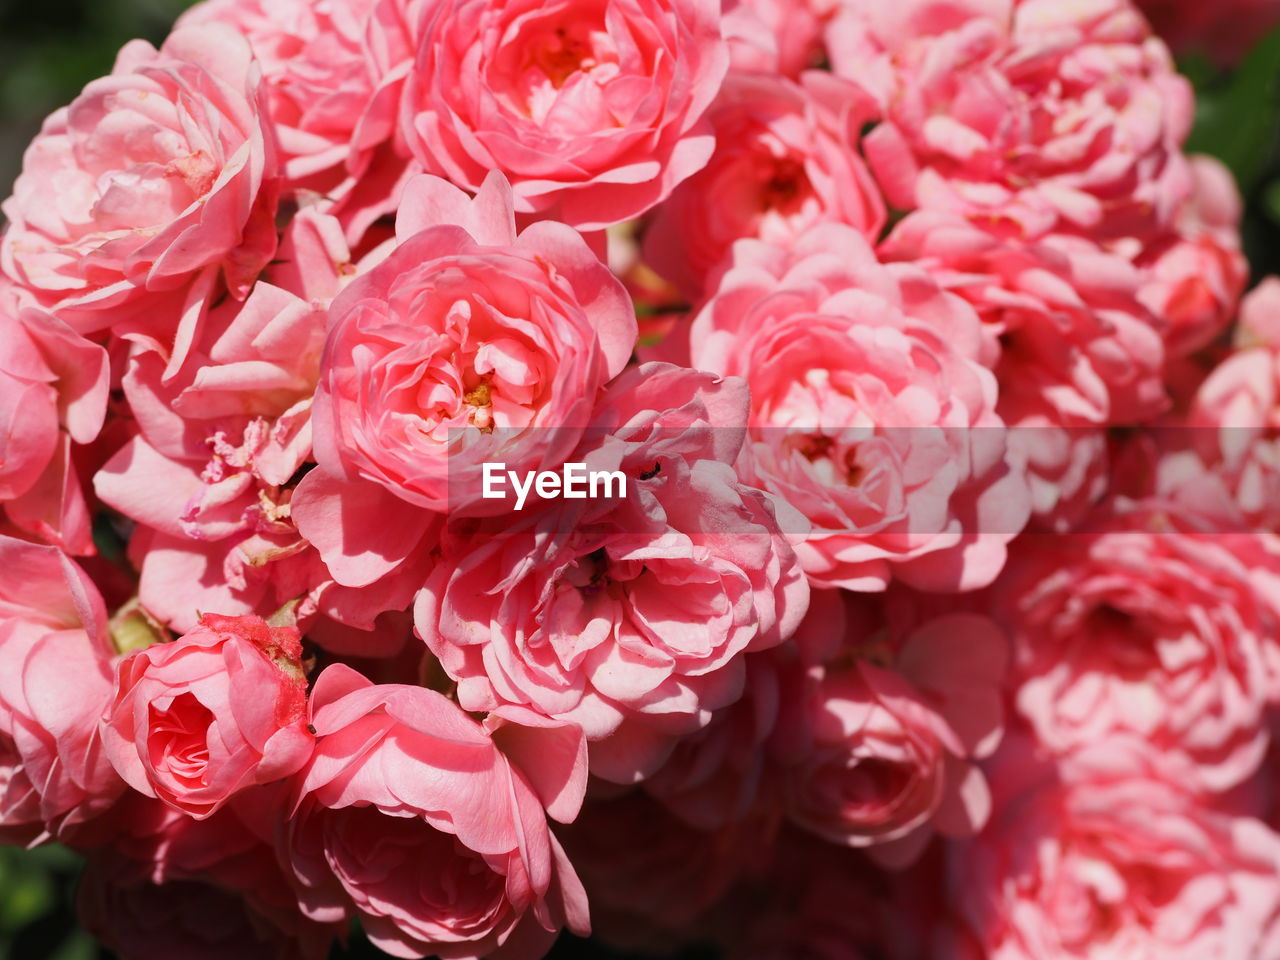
[50, 48]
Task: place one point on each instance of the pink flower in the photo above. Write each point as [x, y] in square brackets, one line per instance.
[431, 827]
[55, 683]
[467, 344]
[332, 74]
[778, 36]
[592, 110]
[1072, 344]
[169, 886]
[878, 738]
[1035, 114]
[629, 617]
[1225, 31]
[786, 158]
[870, 413]
[53, 391]
[1147, 627]
[160, 173]
[1117, 863]
[199, 719]
[1195, 273]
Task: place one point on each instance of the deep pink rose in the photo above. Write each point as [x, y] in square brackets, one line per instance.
[870, 411]
[467, 344]
[593, 110]
[159, 173]
[197, 720]
[1036, 114]
[627, 616]
[879, 735]
[431, 827]
[786, 158]
[1117, 862]
[54, 685]
[1147, 626]
[1225, 31]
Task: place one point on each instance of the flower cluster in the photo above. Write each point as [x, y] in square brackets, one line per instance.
[932, 607]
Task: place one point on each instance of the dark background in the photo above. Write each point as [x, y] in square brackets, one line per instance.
[50, 48]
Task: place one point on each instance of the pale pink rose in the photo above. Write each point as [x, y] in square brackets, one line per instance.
[870, 412]
[467, 344]
[1072, 344]
[197, 720]
[54, 685]
[778, 36]
[1146, 626]
[1115, 863]
[594, 111]
[1225, 31]
[880, 734]
[161, 174]
[629, 617]
[1036, 115]
[170, 886]
[786, 158]
[333, 73]
[1194, 274]
[430, 827]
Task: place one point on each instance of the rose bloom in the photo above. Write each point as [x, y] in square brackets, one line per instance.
[629, 617]
[160, 173]
[1146, 626]
[54, 686]
[53, 392]
[1037, 115]
[196, 720]
[467, 344]
[870, 413]
[1073, 344]
[593, 110]
[170, 886]
[430, 827]
[1114, 863]
[332, 74]
[880, 733]
[786, 158]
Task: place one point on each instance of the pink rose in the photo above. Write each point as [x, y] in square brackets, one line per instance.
[332, 75]
[53, 392]
[467, 344]
[1225, 31]
[430, 827]
[629, 617]
[1116, 862]
[592, 110]
[169, 886]
[54, 685]
[786, 158]
[870, 413]
[1073, 345]
[196, 720]
[163, 172]
[1195, 273]
[1146, 626]
[1038, 115]
[778, 36]
[879, 736]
